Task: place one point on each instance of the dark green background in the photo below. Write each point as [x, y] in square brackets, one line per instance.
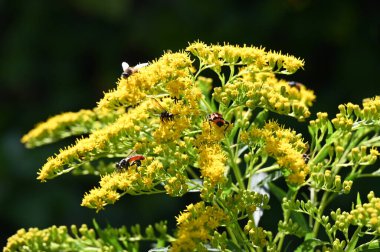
[58, 56]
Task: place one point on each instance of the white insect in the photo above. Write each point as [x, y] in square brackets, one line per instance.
[127, 70]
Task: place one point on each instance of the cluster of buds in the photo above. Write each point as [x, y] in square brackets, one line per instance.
[257, 235]
[371, 109]
[290, 227]
[321, 123]
[365, 215]
[245, 202]
[360, 155]
[368, 214]
[50, 239]
[352, 116]
[342, 122]
[327, 182]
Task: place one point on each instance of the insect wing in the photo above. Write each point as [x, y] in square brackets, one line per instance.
[125, 66]
[138, 66]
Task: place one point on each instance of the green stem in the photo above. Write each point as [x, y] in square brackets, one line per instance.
[209, 108]
[235, 167]
[366, 175]
[281, 242]
[232, 235]
[354, 240]
[192, 173]
[274, 167]
[321, 208]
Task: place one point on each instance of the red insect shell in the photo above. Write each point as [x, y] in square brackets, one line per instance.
[134, 158]
[218, 120]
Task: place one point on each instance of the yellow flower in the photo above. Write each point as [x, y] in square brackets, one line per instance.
[98, 143]
[286, 147]
[68, 124]
[134, 179]
[212, 163]
[148, 81]
[195, 225]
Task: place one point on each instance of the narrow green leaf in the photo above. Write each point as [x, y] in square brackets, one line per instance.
[371, 246]
[277, 191]
[309, 245]
[358, 200]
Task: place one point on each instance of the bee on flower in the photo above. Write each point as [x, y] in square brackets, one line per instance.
[165, 116]
[128, 70]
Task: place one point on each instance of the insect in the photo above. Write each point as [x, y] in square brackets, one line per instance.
[128, 71]
[165, 116]
[295, 84]
[133, 159]
[306, 158]
[218, 120]
[175, 99]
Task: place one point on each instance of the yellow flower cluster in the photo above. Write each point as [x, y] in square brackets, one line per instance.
[320, 122]
[195, 225]
[134, 180]
[68, 124]
[371, 108]
[103, 142]
[212, 163]
[266, 91]
[360, 155]
[286, 147]
[172, 70]
[216, 56]
[158, 112]
[212, 160]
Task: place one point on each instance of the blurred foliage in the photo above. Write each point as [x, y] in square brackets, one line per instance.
[59, 57]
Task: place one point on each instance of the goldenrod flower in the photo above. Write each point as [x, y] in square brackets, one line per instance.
[69, 124]
[98, 144]
[149, 81]
[286, 147]
[195, 225]
[192, 133]
[212, 163]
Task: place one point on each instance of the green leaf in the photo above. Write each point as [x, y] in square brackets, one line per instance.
[369, 246]
[309, 245]
[261, 118]
[376, 173]
[358, 200]
[330, 129]
[277, 191]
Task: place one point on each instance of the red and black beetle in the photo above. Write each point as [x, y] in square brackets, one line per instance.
[218, 120]
[125, 163]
